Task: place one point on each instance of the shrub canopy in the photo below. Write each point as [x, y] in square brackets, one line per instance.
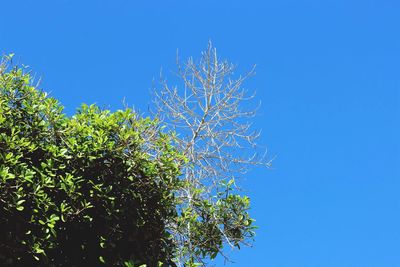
[93, 188]
[102, 188]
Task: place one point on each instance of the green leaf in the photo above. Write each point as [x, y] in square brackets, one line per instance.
[20, 208]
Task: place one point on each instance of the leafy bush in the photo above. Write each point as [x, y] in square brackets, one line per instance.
[95, 188]
[107, 188]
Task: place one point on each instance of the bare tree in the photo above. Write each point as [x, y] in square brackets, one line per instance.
[212, 117]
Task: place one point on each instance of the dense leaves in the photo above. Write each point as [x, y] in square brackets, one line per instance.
[84, 190]
[102, 188]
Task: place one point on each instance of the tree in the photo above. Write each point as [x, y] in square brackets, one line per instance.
[214, 132]
[88, 190]
[119, 189]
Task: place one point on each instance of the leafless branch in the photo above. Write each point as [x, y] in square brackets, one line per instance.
[214, 128]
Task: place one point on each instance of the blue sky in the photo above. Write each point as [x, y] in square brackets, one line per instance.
[328, 78]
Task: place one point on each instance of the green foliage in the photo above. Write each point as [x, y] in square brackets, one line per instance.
[210, 223]
[81, 191]
[101, 188]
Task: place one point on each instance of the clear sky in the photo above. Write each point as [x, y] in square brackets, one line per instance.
[328, 77]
